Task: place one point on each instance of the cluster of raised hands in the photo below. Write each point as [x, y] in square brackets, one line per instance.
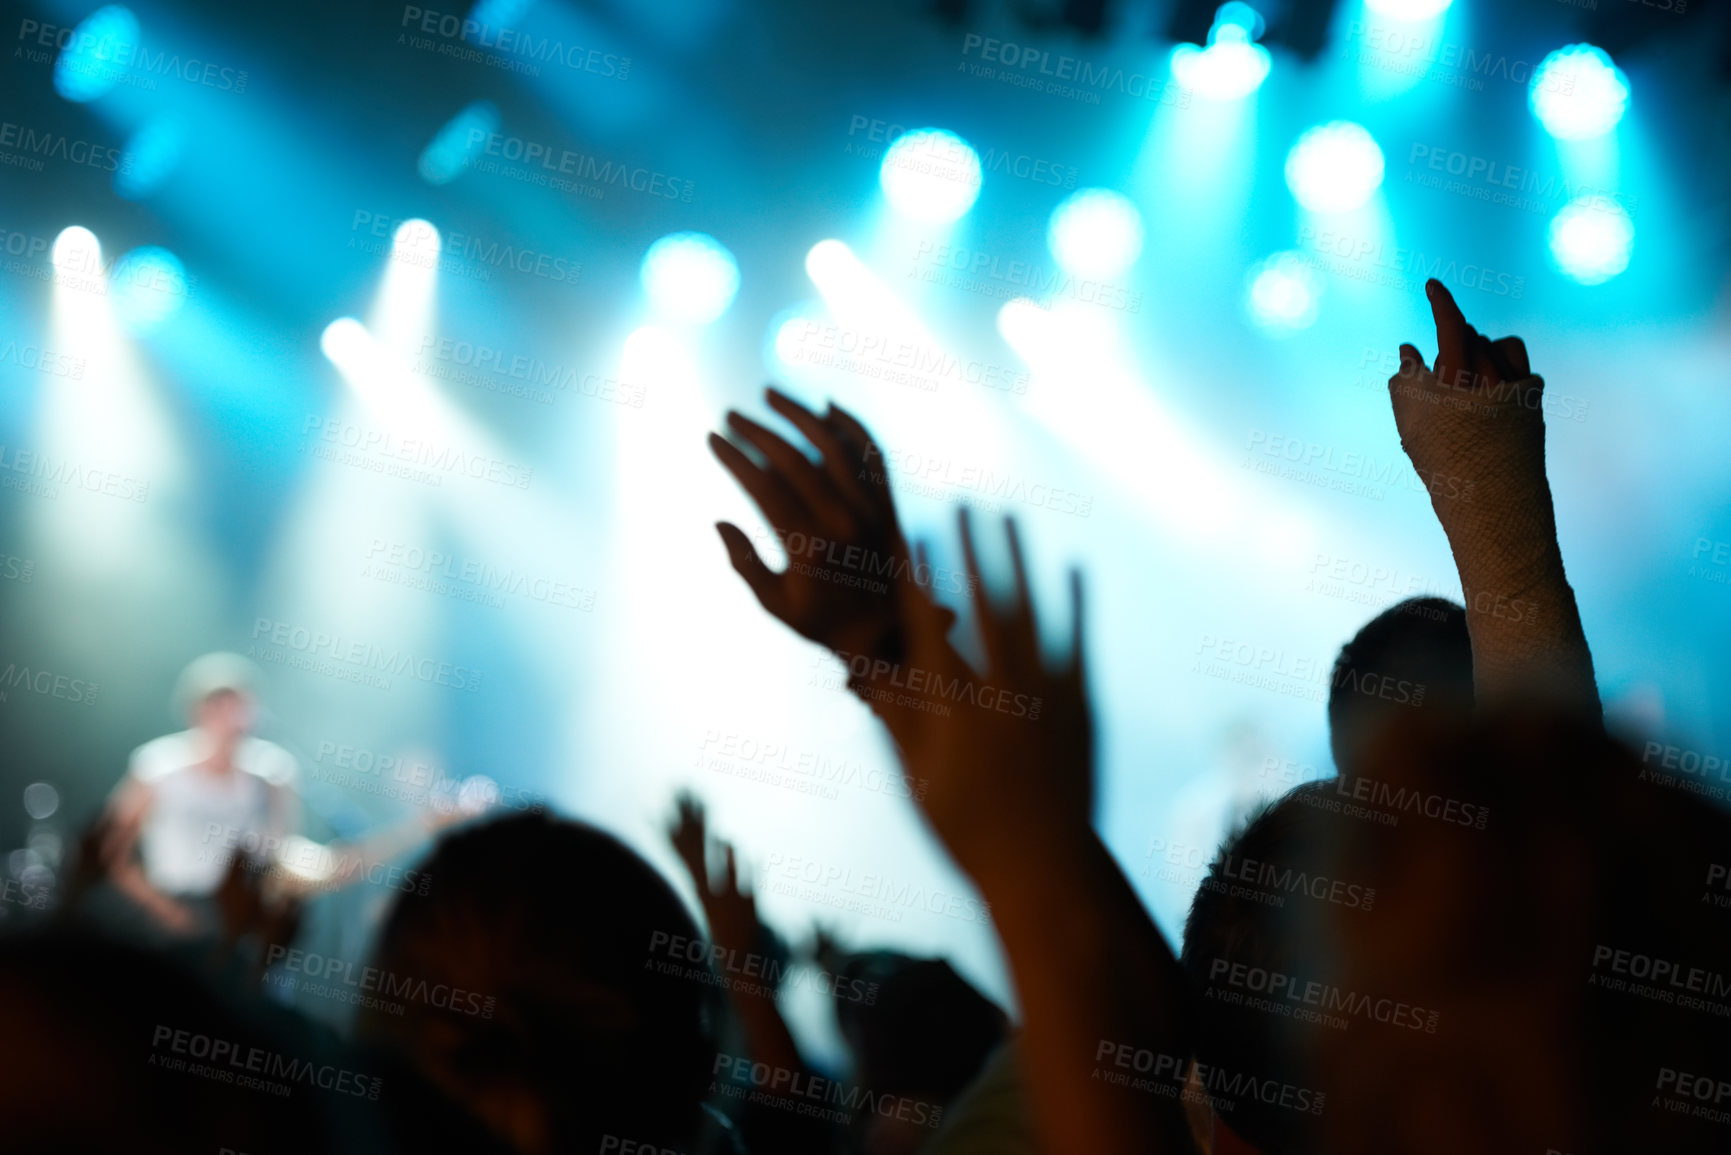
[1011, 790]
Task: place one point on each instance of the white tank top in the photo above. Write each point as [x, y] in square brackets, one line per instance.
[198, 819]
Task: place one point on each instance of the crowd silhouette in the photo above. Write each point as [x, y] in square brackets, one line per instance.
[1485, 931]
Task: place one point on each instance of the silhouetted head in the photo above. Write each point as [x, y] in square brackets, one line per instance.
[530, 994]
[1569, 947]
[915, 1026]
[1414, 656]
[1535, 968]
[109, 1047]
[1247, 926]
[918, 1031]
[1410, 665]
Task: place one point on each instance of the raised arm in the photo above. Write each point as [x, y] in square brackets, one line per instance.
[1474, 427]
[1007, 756]
[734, 926]
[1009, 753]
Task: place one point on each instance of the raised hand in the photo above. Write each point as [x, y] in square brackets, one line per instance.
[1009, 751]
[1474, 424]
[834, 517]
[1009, 756]
[688, 832]
[734, 927]
[730, 910]
[1474, 429]
[1466, 359]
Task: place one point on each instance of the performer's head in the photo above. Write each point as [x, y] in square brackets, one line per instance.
[216, 694]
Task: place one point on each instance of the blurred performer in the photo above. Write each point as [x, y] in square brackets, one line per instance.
[190, 800]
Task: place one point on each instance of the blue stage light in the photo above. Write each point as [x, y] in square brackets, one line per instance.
[1283, 294]
[148, 286]
[1334, 167]
[1231, 67]
[1408, 10]
[1239, 15]
[1591, 239]
[97, 55]
[931, 174]
[1577, 93]
[459, 143]
[150, 157]
[690, 277]
[1095, 233]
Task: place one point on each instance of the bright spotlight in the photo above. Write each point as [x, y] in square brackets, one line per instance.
[1334, 167]
[1409, 10]
[857, 300]
[76, 250]
[81, 290]
[828, 256]
[931, 175]
[1095, 233]
[1577, 93]
[458, 143]
[91, 64]
[416, 235]
[1591, 238]
[1283, 294]
[1231, 67]
[150, 157]
[404, 309]
[148, 286]
[345, 342]
[690, 277]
